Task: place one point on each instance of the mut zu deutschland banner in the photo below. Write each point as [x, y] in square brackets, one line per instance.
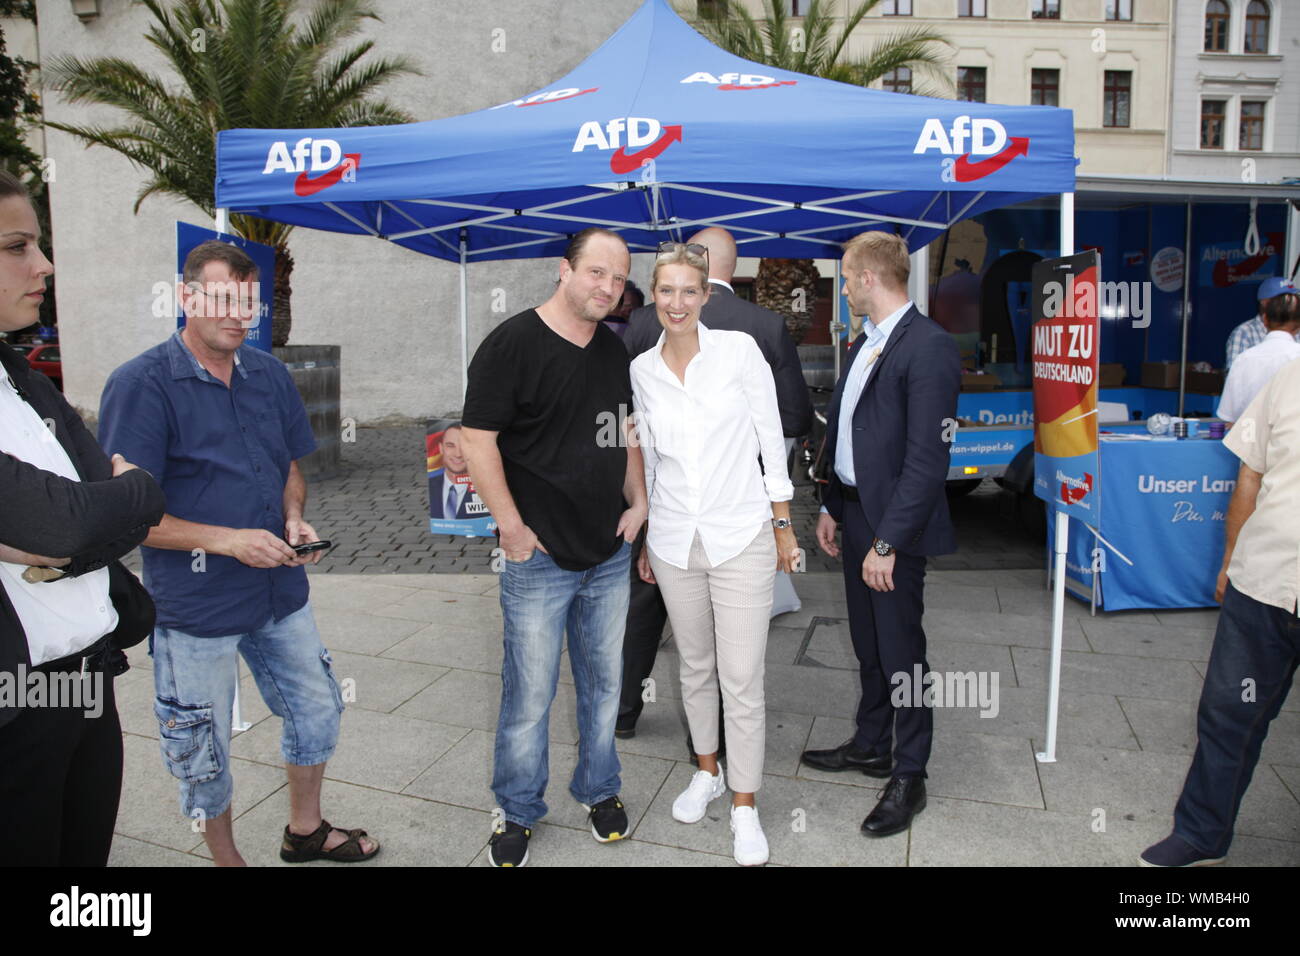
[1065, 348]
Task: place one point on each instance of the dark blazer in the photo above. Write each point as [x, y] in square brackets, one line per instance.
[437, 496]
[95, 520]
[902, 427]
[726, 310]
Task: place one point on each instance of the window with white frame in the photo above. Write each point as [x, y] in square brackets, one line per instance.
[896, 8]
[1217, 17]
[1234, 123]
[1250, 133]
[1258, 15]
[972, 8]
[1213, 115]
[1045, 9]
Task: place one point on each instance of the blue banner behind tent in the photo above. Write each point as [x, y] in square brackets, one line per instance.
[1166, 504]
[656, 133]
[188, 236]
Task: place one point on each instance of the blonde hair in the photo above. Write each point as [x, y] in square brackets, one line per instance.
[883, 253]
[679, 255]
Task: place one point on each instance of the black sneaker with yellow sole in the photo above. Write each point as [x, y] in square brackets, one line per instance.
[509, 845]
[608, 820]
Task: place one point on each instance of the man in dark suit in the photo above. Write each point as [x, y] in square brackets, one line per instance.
[888, 428]
[646, 613]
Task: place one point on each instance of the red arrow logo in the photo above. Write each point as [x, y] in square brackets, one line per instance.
[1071, 495]
[304, 185]
[624, 162]
[556, 99]
[1226, 274]
[965, 171]
[761, 86]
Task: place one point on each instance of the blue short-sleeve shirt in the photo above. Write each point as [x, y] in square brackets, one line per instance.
[222, 457]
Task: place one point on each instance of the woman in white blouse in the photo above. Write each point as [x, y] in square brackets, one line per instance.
[719, 528]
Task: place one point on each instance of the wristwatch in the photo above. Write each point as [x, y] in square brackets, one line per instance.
[781, 523]
[883, 549]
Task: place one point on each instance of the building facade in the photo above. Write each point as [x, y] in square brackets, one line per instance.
[1235, 109]
[1107, 60]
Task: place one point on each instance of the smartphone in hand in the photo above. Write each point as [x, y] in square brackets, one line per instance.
[311, 547]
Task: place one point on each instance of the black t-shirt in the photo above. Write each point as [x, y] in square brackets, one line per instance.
[554, 406]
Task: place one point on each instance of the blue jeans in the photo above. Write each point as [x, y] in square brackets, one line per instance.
[1257, 642]
[540, 601]
[194, 679]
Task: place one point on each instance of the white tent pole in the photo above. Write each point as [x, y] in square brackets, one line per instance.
[837, 322]
[1062, 543]
[221, 223]
[464, 314]
[919, 279]
[1186, 310]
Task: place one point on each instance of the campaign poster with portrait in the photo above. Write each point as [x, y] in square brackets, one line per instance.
[1065, 357]
[454, 506]
[259, 328]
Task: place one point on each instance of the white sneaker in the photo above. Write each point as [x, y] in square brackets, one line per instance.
[750, 848]
[693, 802]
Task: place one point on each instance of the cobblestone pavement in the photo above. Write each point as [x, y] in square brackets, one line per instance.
[376, 511]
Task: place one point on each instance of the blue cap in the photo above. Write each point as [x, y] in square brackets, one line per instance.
[1276, 286]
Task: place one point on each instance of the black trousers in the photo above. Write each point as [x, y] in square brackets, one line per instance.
[888, 640]
[60, 780]
[646, 617]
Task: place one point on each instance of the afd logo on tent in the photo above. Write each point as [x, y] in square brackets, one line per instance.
[988, 139]
[648, 139]
[319, 163]
[738, 81]
[550, 96]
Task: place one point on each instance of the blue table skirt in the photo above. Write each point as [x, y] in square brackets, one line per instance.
[1163, 506]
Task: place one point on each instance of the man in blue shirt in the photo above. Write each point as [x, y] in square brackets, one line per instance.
[220, 427]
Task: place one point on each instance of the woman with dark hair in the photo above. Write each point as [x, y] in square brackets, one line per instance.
[68, 512]
[719, 527]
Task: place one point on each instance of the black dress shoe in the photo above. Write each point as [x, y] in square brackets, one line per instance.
[848, 757]
[904, 798]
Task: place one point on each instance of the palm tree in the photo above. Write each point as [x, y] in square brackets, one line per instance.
[813, 45]
[240, 63]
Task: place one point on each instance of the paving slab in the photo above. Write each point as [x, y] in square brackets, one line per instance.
[1155, 678]
[150, 805]
[471, 699]
[413, 832]
[806, 823]
[386, 751]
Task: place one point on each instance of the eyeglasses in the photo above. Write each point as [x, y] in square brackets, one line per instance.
[225, 304]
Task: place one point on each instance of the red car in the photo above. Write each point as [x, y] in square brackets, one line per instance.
[45, 359]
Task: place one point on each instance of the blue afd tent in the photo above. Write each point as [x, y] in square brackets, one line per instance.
[657, 133]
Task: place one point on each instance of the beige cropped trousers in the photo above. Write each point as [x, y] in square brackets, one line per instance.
[720, 619]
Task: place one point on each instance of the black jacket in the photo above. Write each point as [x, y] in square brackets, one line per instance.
[726, 310]
[95, 520]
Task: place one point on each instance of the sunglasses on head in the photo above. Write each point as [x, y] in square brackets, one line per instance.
[694, 248]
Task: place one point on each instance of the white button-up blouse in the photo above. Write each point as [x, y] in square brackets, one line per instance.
[701, 443]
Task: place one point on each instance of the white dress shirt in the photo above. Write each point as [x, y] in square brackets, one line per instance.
[701, 442]
[876, 338]
[1252, 370]
[59, 617]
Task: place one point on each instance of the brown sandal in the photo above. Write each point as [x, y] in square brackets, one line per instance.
[301, 849]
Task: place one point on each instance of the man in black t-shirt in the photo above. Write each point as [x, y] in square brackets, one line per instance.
[543, 430]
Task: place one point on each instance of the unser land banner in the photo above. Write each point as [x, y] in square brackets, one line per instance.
[1065, 348]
